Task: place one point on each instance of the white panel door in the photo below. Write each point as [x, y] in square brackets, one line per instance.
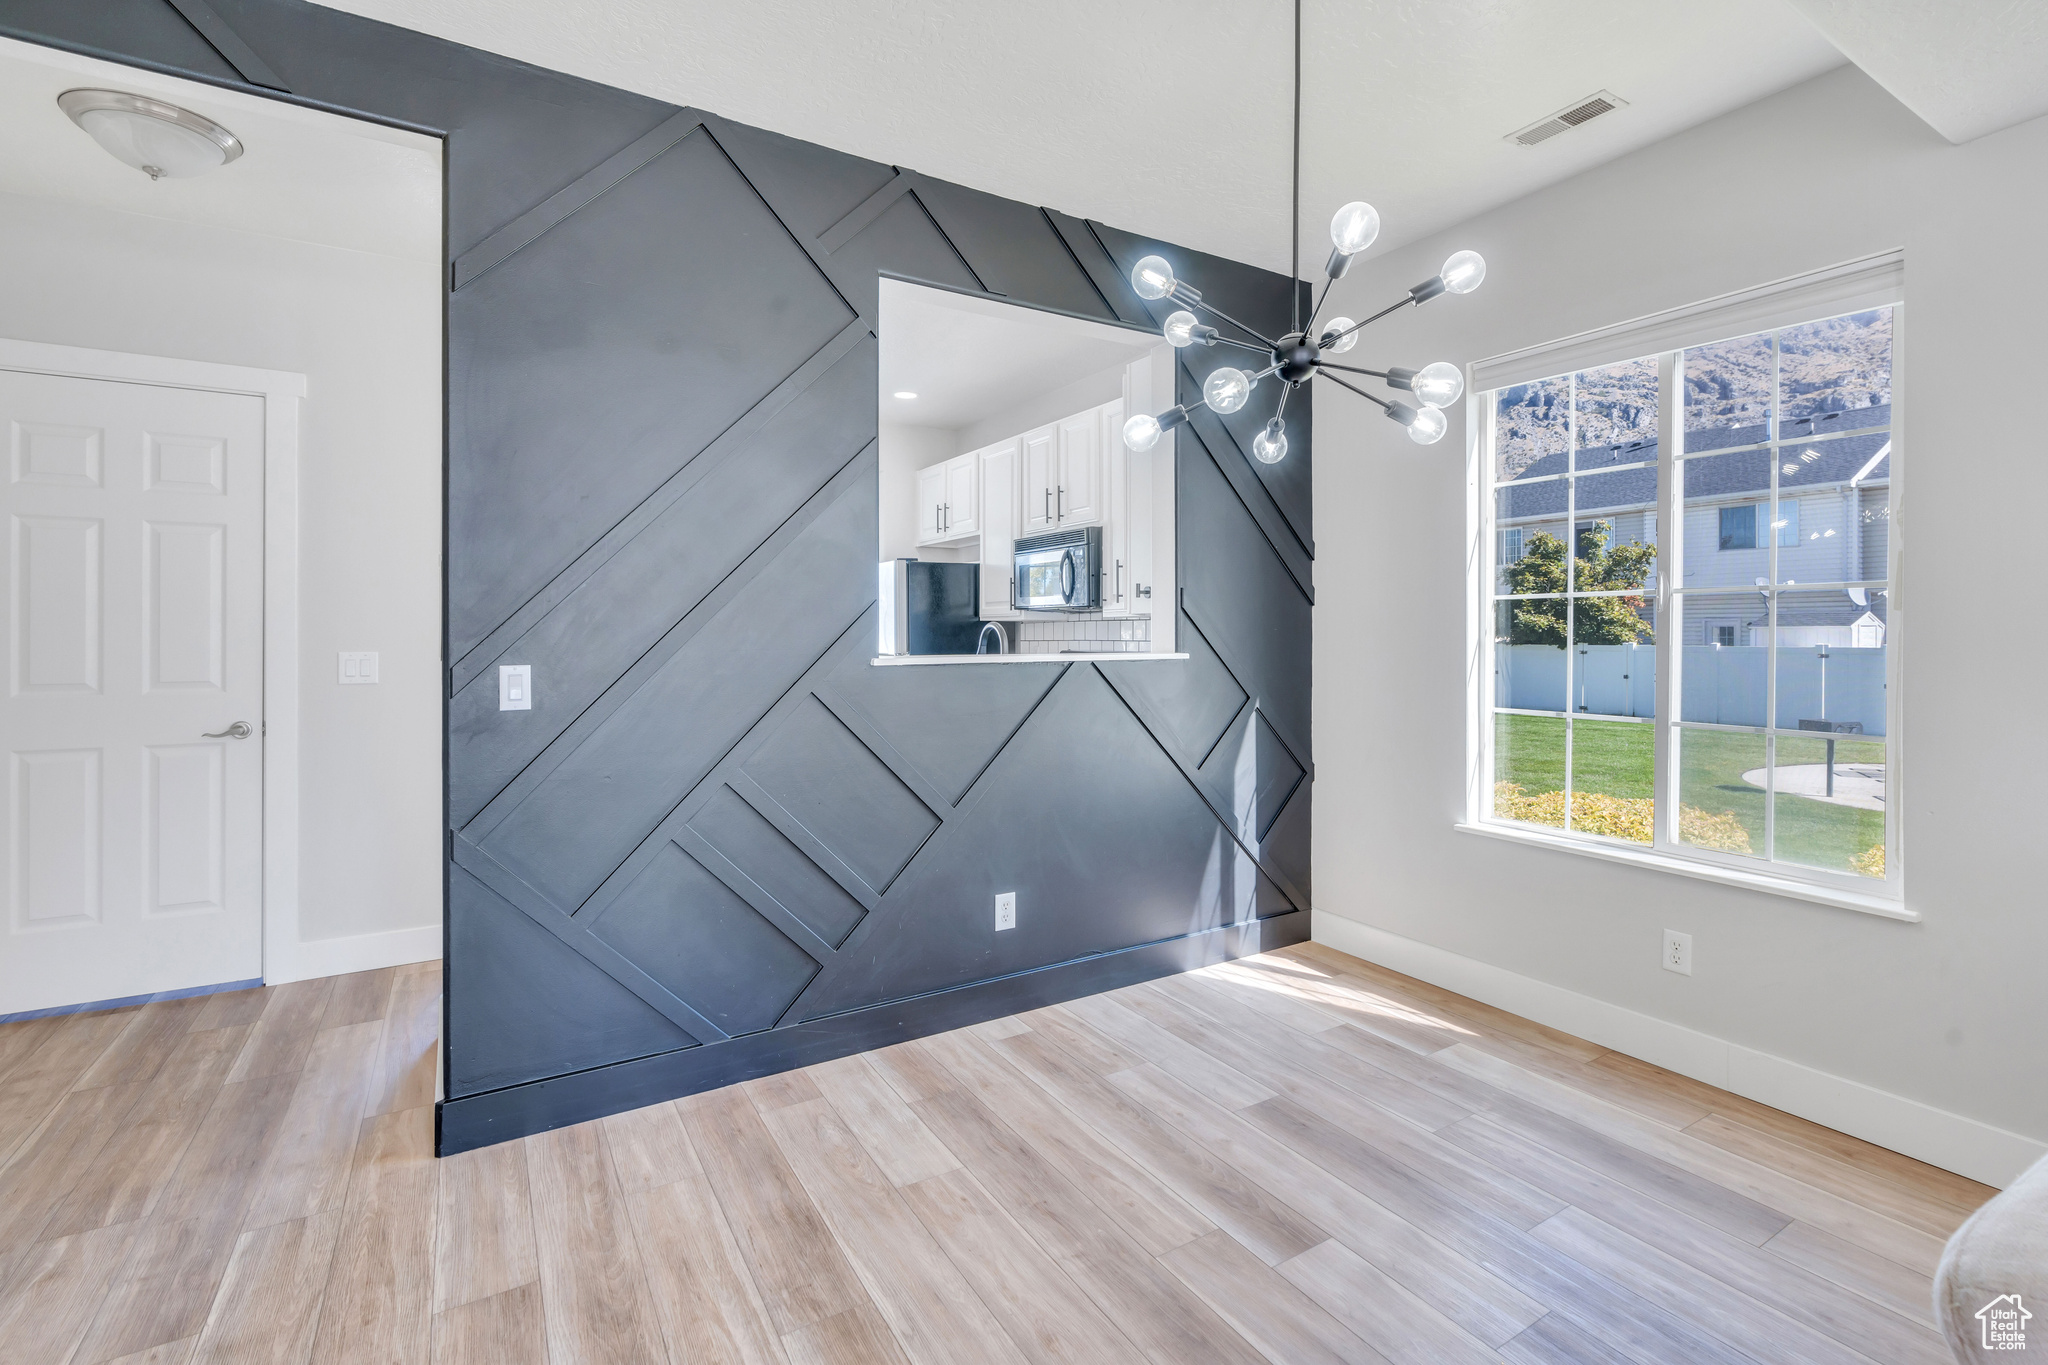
[131, 860]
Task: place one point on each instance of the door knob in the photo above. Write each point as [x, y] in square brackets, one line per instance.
[239, 730]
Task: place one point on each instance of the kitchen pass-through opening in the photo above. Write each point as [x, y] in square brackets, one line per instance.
[1015, 524]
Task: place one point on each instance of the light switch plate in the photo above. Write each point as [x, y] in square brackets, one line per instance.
[357, 666]
[1006, 910]
[515, 687]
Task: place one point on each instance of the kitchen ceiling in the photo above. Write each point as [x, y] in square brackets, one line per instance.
[968, 358]
[1170, 117]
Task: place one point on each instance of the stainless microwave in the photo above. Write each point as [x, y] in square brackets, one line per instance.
[1059, 571]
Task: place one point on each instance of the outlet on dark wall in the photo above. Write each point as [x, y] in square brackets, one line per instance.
[718, 843]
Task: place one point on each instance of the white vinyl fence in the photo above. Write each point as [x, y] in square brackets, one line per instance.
[1722, 684]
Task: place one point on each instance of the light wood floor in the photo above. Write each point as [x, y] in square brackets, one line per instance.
[1299, 1157]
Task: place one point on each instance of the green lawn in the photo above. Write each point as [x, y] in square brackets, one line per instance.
[1615, 758]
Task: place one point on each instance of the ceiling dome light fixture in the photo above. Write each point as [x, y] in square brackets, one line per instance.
[1296, 358]
[155, 138]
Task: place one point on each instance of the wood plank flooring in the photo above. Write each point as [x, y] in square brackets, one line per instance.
[1297, 1157]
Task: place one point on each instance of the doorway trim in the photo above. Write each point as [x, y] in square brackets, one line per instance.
[280, 391]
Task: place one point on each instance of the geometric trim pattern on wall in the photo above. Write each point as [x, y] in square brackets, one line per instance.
[724, 881]
[718, 820]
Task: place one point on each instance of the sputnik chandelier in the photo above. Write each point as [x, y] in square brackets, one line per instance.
[1305, 352]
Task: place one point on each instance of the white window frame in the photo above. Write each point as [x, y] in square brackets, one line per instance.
[1854, 286]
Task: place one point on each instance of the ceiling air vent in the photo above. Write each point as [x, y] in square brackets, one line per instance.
[1564, 120]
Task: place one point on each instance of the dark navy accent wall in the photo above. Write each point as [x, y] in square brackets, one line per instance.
[722, 843]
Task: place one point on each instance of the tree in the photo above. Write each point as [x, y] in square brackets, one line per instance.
[1598, 620]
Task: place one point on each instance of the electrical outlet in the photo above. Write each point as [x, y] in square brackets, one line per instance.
[515, 687]
[1006, 910]
[1677, 952]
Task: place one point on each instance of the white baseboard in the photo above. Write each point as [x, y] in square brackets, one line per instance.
[1953, 1142]
[353, 953]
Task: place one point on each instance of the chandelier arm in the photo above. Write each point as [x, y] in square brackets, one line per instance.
[1318, 311]
[1355, 389]
[1241, 345]
[1349, 369]
[1281, 410]
[1208, 307]
[1392, 308]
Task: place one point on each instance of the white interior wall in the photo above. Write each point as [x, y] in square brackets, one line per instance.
[1926, 1037]
[365, 329]
[1105, 385]
[900, 451]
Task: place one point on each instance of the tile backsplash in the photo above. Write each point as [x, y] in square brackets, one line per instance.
[1082, 634]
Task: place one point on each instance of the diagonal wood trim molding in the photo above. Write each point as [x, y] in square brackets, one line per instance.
[864, 213]
[229, 44]
[661, 651]
[579, 936]
[1257, 502]
[702, 465]
[606, 175]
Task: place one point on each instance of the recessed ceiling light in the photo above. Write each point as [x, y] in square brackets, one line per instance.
[905, 393]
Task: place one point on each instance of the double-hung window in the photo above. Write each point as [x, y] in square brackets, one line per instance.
[1691, 649]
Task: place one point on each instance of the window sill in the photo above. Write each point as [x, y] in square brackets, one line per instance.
[1685, 867]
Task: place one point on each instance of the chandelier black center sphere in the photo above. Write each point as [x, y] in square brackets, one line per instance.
[1305, 352]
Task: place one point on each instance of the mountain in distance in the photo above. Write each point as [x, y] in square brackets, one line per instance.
[1834, 365]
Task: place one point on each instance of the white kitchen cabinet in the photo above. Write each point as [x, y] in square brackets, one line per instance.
[997, 517]
[1117, 504]
[963, 504]
[931, 504]
[1077, 497]
[947, 502]
[1040, 462]
[1137, 491]
[1062, 470]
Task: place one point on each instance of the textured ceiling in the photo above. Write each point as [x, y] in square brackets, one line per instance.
[1968, 67]
[306, 175]
[1170, 117]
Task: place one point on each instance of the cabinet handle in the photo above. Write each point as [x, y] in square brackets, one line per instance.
[1048, 504]
[1063, 503]
[1119, 580]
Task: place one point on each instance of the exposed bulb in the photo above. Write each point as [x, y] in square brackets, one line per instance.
[1354, 227]
[1437, 385]
[1461, 273]
[1270, 445]
[1343, 343]
[1180, 326]
[1141, 433]
[1153, 277]
[1429, 426]
[1227, 389]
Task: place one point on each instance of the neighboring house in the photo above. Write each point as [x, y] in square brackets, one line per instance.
[1833, 524]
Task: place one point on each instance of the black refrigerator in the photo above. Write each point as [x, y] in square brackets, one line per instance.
[936, 607]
